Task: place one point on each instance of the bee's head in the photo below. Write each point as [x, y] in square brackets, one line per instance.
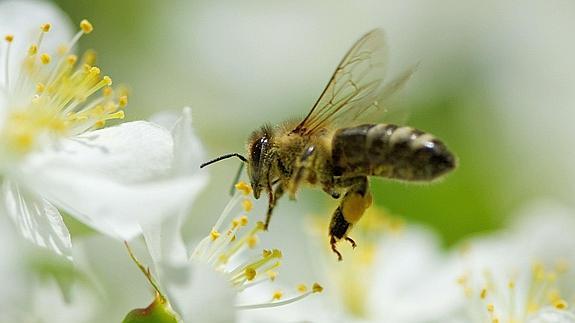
[258, 148]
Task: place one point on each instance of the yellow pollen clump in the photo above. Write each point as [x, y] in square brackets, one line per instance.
[302, 288]
[214, 235]
[107, 80]
[277, 295]
[86, 26]
[123, 101]
[247, 205]
[250, 273]
[317, 288]
[45, 59]
[9, 38]
[45, 27]
[252, 241]
[244, 188]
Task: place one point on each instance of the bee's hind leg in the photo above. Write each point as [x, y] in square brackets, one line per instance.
[356, 200]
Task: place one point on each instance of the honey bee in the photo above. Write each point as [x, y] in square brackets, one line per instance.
[334, 149]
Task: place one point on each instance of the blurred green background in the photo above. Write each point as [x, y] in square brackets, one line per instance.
[496, 83]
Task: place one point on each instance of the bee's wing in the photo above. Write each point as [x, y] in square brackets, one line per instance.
[355, 87]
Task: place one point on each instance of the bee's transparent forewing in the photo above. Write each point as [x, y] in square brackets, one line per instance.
[355, 87]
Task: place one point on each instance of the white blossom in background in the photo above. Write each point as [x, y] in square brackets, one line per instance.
[397, 273]
[524, 273]
[57, 154]
[208, 285]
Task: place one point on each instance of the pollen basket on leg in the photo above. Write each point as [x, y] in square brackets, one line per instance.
[56, 95]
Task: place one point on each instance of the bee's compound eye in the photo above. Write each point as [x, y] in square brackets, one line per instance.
[257, 150]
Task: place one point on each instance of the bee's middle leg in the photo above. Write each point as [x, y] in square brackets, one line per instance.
[354, 203]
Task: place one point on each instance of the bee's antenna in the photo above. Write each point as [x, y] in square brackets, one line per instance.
[242, 158]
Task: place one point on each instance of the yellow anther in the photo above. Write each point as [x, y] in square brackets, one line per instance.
[122, 101]
[302, 288]
[40, 87]
[71, 59]
[214, 234]
[45, 58]
[86, 26]
[495, 320]
[317, 288]
[276, 253]
[272, 275]
[252, 241]
[100, 123]
[560, 304]
[45, 27]
[33, 49]
[462, 280]
[483, 293]
[62, 50]
[277, 295]
[235, 223]
[490, 307]
[116, 115]
[247, 205]
[260, 225]
[250, 273]
[107, 91]
[243, 220]
[511, 284]
[94, 70]
[223, 259]
[107, 80]
[9, 38]
[244, 188]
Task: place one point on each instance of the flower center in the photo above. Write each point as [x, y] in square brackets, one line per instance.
[503, 301]
[53, 97]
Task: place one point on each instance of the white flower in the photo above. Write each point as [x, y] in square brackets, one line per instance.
[55, 155]
[395, 274]
[208, 286]
[523, 274]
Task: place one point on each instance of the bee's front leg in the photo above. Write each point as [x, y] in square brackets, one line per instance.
[273, 195]
[351, 209]
[302, 170]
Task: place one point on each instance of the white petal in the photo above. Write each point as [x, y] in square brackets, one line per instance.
[23, 18]
[188, 150]
[164, 240]
[551, 315]
[114, 179]
[38, 221]
[205, 296]
[131, 152]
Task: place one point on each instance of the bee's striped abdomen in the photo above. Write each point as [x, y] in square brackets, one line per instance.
[391, 151]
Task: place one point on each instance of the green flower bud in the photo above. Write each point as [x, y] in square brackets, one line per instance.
[157, 312]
